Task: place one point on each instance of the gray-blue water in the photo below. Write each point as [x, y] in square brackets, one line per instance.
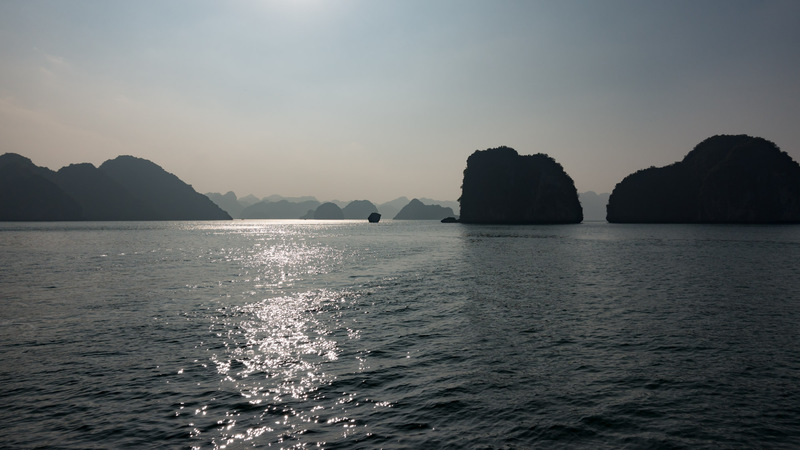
[398, 335]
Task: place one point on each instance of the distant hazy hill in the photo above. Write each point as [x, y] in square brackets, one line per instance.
[329, 211]
[228, 202]
[301, 199]
[248, 200]
[359, 209]
[279, 207]
[416, 210]
[501, 186]
[594, 205]
[391, 208]
[724, 179]
[282, 209]
[125, 188]
[452, 204]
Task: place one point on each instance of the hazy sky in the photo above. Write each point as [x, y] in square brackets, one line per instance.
[379, 98]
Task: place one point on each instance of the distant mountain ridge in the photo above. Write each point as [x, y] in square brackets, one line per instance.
[359, 209]
[125, 188]
[282, 209]
[416, 210]
[279, 207]
[594, 205]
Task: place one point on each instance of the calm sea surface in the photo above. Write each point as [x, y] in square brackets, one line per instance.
[398, 335]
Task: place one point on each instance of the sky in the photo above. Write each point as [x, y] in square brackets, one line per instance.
[376, 99]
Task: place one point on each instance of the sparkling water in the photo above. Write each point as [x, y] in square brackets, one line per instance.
[345, 334]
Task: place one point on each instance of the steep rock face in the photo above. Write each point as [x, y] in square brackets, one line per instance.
[724, 179]
[29, 193]
[328, 211]
[168, 196]
[416, 210]
[501, 186]
[359, 209]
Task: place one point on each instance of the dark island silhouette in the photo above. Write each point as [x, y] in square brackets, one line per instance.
[416, 210]
[359, 209]
[165, 193]
[328, 211]
[30, 193]
[99, 195]
[503, 187]
[724, 179]
[125, 188]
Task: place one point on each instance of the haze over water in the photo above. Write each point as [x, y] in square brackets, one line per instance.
[398, 335]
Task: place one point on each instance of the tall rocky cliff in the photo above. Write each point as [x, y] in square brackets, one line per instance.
[724, 179]
[501, 186]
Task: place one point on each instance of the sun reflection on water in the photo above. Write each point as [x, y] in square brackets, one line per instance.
[282, 340]
[280, 344]
[276, 352]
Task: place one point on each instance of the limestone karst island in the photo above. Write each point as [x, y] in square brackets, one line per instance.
[503, 187]
[725, 179]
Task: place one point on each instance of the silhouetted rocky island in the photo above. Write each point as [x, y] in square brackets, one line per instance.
[359, 209]
[328, 211]
[725, 179]
[500, 186]
[168, 196]
[416, 210]
[125, 188]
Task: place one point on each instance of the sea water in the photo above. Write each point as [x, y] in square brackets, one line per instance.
[343, 334]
